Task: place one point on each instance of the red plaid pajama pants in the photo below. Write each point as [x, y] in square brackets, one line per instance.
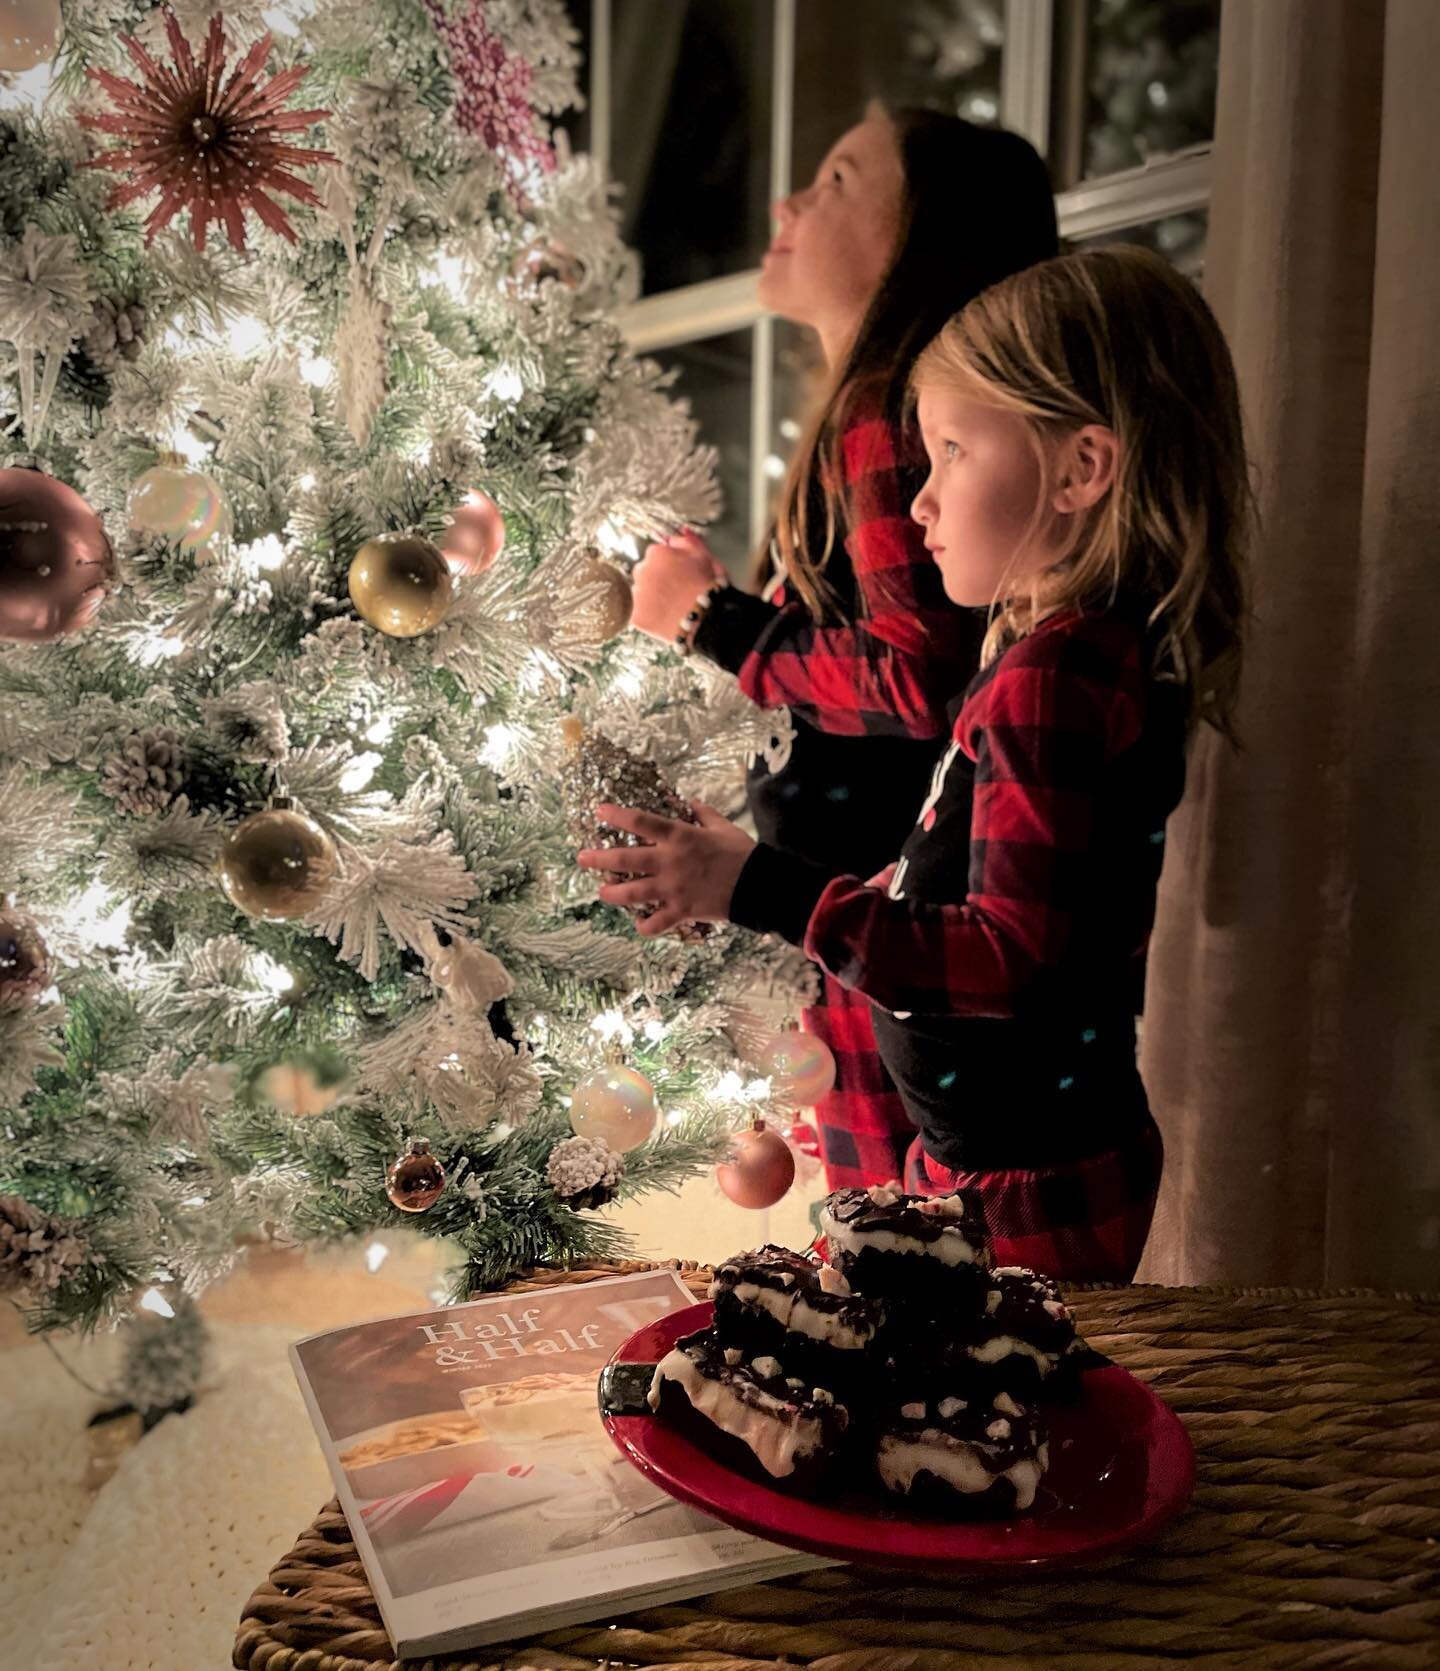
[864, 1130]
[1085, 1221]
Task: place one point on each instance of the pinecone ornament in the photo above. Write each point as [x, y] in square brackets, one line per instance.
[147, 772]
[117, 331]
[37, 1252]
[584, 1172]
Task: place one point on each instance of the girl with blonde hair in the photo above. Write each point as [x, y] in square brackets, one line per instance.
[1088, 484]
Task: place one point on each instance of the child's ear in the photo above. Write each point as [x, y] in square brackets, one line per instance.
[1088, 467]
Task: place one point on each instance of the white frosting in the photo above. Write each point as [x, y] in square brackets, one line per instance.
[959, 1464]
[998, 1429]
[793, 1311]
[733, 1355]
[950, 1407]
[883, 1196]
[767, 1367]
[913, 1412]
[948, 1249]
[992, 1302]
[1003, 1401]
[775, 1444]
[1006, 1345]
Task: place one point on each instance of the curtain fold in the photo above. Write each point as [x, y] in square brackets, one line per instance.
[1292, 1034]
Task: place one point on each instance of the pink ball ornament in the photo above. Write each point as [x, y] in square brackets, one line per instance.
[799, 1067]
[759, 1168]
[476, 534]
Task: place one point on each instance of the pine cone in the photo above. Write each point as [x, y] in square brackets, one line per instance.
[118, 331]
[147, 773]
[584, 1172]
[37, 1252]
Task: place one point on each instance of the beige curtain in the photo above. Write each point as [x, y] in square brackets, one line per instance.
[1292, 1033]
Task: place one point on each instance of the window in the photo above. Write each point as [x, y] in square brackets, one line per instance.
[706, 111]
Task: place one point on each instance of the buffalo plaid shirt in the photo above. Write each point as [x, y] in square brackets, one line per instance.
[868, 698]
[1003, 952]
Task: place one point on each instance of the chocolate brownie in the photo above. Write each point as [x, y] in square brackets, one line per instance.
[905, 1247]
[962, 1458]
[749, 1414]
[803, 1312]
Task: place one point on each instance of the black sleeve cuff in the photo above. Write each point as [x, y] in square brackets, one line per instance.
[731, 627]
[777, 893]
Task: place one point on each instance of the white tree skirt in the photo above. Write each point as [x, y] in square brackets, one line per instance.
[149, 1573]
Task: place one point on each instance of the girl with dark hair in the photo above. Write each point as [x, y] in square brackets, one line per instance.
[910, 214]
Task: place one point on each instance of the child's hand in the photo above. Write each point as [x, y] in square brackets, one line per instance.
[687, 871]
[668, 579]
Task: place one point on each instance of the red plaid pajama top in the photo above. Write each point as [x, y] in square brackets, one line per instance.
[1003, 951]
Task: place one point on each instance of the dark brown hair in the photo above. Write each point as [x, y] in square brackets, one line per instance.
[977, 207]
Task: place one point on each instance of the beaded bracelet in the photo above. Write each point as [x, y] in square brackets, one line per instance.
[685, 638]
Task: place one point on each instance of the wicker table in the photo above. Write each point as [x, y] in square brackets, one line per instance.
[1313, 1539]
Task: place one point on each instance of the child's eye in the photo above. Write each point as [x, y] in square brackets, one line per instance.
[952, 451]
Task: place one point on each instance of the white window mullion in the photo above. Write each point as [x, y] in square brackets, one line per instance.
[762, 386]
[1025, 70]
[1171, 185]
[600, 92]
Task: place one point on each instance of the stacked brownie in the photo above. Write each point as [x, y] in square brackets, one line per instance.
[906, 1362]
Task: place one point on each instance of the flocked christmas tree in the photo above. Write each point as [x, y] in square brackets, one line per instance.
[320, 334]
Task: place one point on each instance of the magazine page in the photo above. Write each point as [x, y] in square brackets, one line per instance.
[477, 1476]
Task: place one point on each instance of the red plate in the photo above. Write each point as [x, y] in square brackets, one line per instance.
[1121, 1466]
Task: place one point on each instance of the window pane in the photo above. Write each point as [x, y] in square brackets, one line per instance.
[715, 377]
[799, 383]
[1149, 79]
[943, 53]
[690, 134]
[1180, 238]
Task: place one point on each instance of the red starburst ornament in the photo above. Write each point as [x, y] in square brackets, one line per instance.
[215, 150]
[492, 94]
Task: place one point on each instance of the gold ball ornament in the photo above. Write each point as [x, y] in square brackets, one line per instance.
[416, 1181]
[24, 961]
[475, 536]
[799, 1066]
[759, 1168]
[607, 605]
[277, 864]
[184, 505]
[29, 33]
[615, 1103]
[401, 585]
[56, 565]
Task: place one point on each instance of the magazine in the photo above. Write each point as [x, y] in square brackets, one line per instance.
[485, 1496]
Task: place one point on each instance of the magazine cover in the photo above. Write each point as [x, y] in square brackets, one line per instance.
[485, 1495]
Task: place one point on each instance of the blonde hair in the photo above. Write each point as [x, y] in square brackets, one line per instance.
[1117, 337]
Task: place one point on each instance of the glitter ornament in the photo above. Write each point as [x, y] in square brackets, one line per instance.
[597, 771]
[24, 961]
[29, 33]
[799, 1067]
[416, 1181]
[616, 1105]
[56, 565]
[400, 584]
[214, 149]
[759, 1168]
[277, 864]
[180, 504]
[584, 1172]
[606, 607]
[470, 977]
[474, 536]
[492, 93]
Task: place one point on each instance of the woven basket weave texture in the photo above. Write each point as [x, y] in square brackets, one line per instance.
[1313, 1540]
